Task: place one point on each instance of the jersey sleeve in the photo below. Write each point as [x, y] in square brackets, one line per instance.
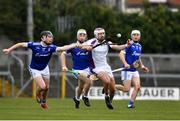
[30, 45]
[110, 44]
[53, 48]
[126, 50]
[90, 42]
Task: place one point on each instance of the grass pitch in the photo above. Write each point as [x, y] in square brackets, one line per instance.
[27, 108]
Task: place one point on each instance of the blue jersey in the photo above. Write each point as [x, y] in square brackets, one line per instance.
[133, 53]
[40, 54]
[82, 59]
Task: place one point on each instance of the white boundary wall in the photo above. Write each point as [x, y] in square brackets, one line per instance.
[146, 93]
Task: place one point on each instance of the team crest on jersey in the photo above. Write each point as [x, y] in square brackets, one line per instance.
[43, 49]
[82, 53]
[136, 53]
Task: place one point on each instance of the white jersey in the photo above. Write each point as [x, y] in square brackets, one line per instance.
[99, 55]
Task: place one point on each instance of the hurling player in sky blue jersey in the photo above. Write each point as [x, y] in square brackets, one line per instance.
[83, 63]
[41, 54]
[131, 75]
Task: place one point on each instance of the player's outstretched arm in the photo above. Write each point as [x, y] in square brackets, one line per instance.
[67, 47]
[62, 57]
[121, 47]
[86, 47]
[18, 45]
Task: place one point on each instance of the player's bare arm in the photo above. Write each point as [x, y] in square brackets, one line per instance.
[122, 58]
[121, 47]
[63, 61]
[144, 68]
[67, 47]
[18, 45]
[86, 47]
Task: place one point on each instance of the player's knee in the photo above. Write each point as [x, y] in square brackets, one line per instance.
[88, 82]
[107, 82]
[137, 87]
[80, 88]
[45, 88]
[112, 90]
[126, 89]
[42, 87]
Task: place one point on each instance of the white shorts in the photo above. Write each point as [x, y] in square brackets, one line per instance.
[106, 69]
[128, 75]
[86, 71]
[44, 73]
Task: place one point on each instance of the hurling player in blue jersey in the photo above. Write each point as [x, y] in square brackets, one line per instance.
[83, 63]
[41, 54]
[131, 75]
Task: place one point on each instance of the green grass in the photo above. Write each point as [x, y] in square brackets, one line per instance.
[27, 108]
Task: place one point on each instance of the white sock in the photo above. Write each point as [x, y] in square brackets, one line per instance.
[77, 98]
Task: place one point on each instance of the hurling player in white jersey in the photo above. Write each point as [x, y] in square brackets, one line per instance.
[41, 54]
[102, 68]
[82, 63]
[131, 75]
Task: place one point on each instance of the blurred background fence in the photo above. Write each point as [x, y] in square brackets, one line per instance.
[16, 81]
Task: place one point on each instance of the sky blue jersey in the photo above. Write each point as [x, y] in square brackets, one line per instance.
[40, 54]
[133, 53]
[82, 59]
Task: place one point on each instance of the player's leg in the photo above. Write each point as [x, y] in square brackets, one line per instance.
[46, 78]
[40, 85]
[125, 87]
[126, 77]
[112, 88]
[45, 93]
[136, 83]
[137, 86]
[86, 88]
[82, 78]
[87, 84]
[80, 88]
[47, 82]
[106, 79]
[78, 93]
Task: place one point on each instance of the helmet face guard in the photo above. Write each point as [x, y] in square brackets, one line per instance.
[97, 31]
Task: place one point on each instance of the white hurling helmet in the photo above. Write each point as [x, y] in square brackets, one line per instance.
[81, 31]
[97, 31]
[135, 32]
